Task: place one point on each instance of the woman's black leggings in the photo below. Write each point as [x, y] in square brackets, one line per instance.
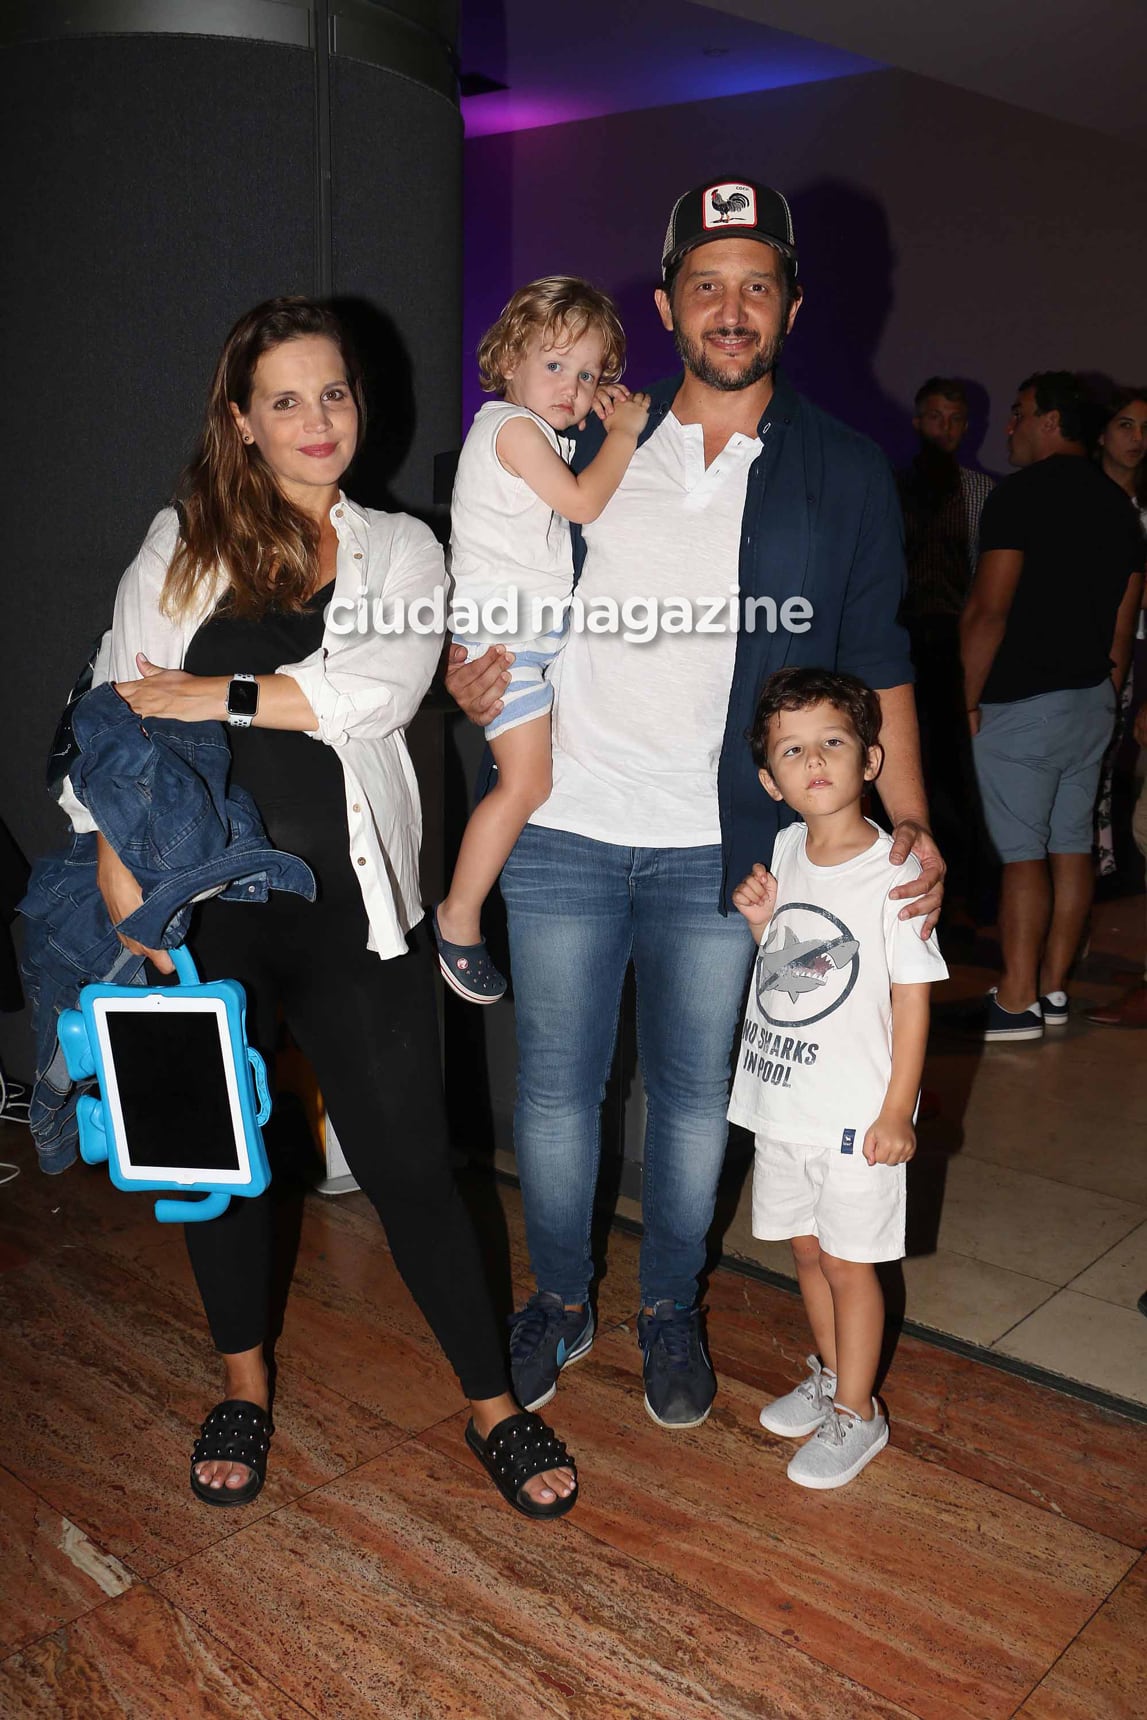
[370, 1031]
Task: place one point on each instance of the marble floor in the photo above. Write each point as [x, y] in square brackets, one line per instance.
[991, 1563]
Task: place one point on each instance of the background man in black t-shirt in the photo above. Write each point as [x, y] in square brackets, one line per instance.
[1046, 639]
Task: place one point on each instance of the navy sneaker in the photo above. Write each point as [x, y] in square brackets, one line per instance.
[546, 1337]
[680, 1384]
[1054, 1008]
[1003, 1025]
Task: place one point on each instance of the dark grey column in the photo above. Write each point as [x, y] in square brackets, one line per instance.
[167, 164]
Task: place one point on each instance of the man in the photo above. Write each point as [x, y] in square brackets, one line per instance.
[942, 502]
[1047, 636]
[737, 485]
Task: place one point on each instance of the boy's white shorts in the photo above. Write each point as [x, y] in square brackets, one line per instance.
[856, 1210]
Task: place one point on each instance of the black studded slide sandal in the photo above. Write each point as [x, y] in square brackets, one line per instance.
[513, 1452]
[235, 1432]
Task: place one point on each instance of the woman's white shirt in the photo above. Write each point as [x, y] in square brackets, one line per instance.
[364, 688]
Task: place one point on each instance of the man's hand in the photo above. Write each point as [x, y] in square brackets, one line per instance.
[477, 687]
[122, 896]
[974, 720]
[891, 1140]
[926, 892]
[756, 897]
[174, 693]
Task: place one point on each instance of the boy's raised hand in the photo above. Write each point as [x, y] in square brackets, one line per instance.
[629, 415]
[755, 897]
[891, 1140]
[605, 399]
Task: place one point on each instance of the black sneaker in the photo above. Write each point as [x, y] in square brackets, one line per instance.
[680, 1384]
[1001, 1026]
[546, 1337]
[1054, 1008]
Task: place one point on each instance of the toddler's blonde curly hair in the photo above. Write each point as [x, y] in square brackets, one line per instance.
[560, 308]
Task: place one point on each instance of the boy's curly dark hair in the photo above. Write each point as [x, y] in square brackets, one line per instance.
[796, 689]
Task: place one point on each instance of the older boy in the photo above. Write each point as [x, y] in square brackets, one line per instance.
[832, 1049]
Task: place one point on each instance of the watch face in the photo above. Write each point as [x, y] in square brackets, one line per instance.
[242, 698]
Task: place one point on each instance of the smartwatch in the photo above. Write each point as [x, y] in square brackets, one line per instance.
[242, 701]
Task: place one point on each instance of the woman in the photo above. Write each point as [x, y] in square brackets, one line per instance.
[1121, 450]
[221, 617]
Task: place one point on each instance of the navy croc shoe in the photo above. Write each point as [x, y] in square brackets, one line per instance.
[467, 968]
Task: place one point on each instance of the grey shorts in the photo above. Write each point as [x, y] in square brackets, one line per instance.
[1037, 764]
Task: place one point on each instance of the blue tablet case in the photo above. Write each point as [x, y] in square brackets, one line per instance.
[98, 1138]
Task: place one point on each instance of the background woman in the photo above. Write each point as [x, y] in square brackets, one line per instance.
[1123, 445]
[1121, 450]
[222, 617]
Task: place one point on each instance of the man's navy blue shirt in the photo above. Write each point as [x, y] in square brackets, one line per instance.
[822, 521]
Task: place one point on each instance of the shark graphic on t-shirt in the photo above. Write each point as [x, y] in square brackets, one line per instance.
[802, 964]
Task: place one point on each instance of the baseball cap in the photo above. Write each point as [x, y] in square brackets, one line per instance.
[727, 208]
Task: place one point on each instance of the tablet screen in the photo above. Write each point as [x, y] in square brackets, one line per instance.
[174, 1096]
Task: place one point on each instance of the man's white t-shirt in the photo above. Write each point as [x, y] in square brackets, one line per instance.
[815, 1055]
[638, 728]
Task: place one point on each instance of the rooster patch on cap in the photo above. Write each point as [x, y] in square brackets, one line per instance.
[730, 206]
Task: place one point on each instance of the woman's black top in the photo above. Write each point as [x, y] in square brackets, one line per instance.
[296, 782]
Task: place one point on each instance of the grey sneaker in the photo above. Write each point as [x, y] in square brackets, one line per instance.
[680, 1384]
[546, 1337]
[803, 1409]
[839, 1449]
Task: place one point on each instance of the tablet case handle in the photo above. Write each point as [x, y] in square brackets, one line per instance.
[185, 1211]
[262, 1090]
[184, 965]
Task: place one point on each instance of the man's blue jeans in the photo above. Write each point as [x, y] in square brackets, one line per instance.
[578, 911]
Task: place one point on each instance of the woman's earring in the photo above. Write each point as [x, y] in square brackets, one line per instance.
[248, 438]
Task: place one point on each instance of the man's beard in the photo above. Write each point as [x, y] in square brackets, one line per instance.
[697, 361]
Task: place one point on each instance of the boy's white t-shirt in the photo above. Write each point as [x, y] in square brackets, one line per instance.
[505, 542]
[815, 1054]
